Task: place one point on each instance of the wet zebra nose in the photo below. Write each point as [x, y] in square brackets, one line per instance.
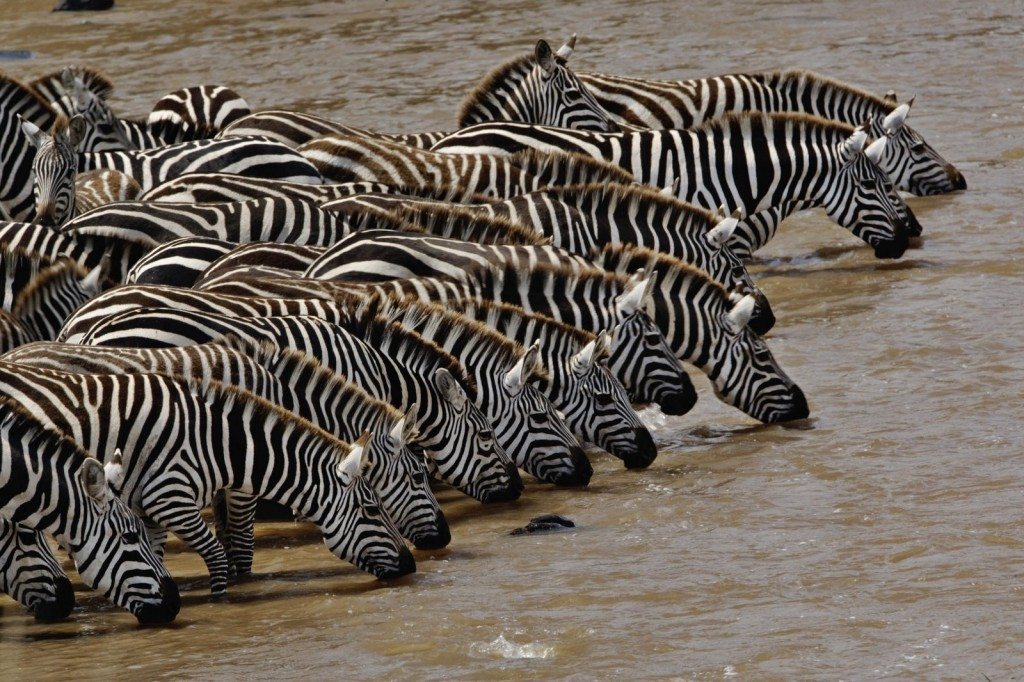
[435, 540]
[895, 247]
[956, 177]
[164, 612]
[60, 606]
[645, 452]
[679, 402]
[580, 473]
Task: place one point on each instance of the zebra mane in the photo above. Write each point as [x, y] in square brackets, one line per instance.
[319, 379]
[377, 331]
[64, 270]
[454, 222]
[449, 193]
[505, 315]
[211, 390]
[19, 267]
[18, 98]
[544, 276]
[511, 72]
[635, 197]
[18, 425]
[722, 123]
[93, 79]
[791, 79]
[12, 332]
[628, 258]
[565, 165]
[434, 319]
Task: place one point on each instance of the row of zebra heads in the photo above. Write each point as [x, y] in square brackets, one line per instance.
[211, 306]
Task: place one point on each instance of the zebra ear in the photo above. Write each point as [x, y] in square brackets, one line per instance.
[584, 360]
[853, 145]
[351, 467]
[545, 58]
[672, 190]
[719, 235]
[875, 149]
[76, 130]
[890, 96]
[113, 469]
[897, 117]
[604, 343]
[635, 296]
[515, 379]
[67, 79]
[404, 429]
[450, 388]
[741, 313]
[93, 281]
[35, 135]
[94, 480]
[565, 51]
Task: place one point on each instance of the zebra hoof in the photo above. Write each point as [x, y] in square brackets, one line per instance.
[60, 606]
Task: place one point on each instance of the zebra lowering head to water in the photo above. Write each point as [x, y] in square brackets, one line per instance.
[912, 164]
[49, 484]
[214, 437]
[31, 575]
[752, 162]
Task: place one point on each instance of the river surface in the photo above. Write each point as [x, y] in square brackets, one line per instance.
[883, 537]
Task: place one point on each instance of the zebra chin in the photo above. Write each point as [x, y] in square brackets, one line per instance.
[164, 612]
[640, 453]
[58, 608]
[405, 565]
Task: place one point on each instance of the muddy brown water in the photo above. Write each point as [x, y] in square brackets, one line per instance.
[884, 537]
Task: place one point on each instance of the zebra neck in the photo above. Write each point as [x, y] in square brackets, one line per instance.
[49, 468]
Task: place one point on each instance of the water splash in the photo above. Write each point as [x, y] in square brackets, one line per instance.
[503, 648]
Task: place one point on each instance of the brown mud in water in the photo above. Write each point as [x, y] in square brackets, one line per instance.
[883, 537]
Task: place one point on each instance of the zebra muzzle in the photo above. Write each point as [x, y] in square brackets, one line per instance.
[58, 608]
[164, 612]
[644, 453]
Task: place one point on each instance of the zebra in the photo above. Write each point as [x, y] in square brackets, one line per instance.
[280, 257]
[207, 188]
[343, 159]
[54, 169]
[452, 431]
[31, 575]
[301, 385]
[179, 262]
[700, 321]
[101, 187]
[82, 91]
[211, 437]
[18, 103]
[50, 484]
[533, 88]
[913, 165]
[751, 162]
[208, 108]
[240, 155]
[582, 218]
[594, 403]
[526, 424]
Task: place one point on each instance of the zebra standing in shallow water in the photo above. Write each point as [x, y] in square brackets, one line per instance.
[750, 162]
[912, 164]
[211, 437]
[48, 483]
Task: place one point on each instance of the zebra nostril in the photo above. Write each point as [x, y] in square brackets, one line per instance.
[61, 605]
[956, 177]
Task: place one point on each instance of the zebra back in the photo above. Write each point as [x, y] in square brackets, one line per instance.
[179, 262]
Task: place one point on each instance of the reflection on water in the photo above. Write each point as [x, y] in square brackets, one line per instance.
[883, 536]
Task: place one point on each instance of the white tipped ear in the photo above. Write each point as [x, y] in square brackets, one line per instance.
[545, 58]
[450, 388]
[632, 299]
[515, 378]
[35, 135]
[94, 280]
[397, 431]
[94, 479]
[875, 150]
[895, 119]
[719, 235]
[351, 467]
[584, 360]
[672, 190]
[410, 433]
[853, 145]
[741, 313]
[890, 96]
[113, 469]
[604, 343]
[565, 51]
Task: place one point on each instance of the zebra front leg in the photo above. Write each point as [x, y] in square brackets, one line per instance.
[188, 524]
[239, 530]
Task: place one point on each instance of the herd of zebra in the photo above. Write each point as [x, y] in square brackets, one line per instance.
[211, 306]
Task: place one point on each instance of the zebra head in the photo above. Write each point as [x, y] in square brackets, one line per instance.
[356, 528]
[399, 475]
[113, 555]
[746, 375]
[103, 131]
[911, 163]
[55, 168]
[31, 575]
[530, 428]
[466, 454]
[641, 358]
[560, 98]
[862, 199]
[736, 278]
[602, 411]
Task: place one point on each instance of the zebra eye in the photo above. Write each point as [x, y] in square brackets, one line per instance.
[371, 510]
[538, 419]
[917, 146]
[604, 399]
[653, 338]
[130, 537]
[487, 436]
[868, 183]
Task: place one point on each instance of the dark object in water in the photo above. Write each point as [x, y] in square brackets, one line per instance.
[11, 55]
[82, 5]
[543, 524]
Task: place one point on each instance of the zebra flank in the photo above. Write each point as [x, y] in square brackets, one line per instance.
[49, 483]
[99, 188]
